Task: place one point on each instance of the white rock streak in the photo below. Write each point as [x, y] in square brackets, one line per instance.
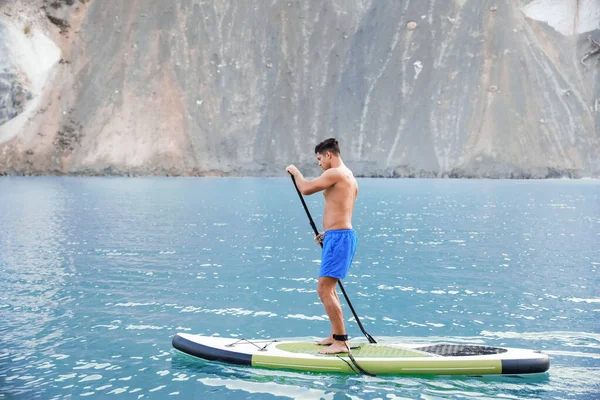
[363, 118]
[34, 55]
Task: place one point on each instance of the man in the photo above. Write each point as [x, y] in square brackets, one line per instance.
[339, 240]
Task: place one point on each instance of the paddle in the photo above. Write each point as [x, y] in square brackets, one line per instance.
[312, 224]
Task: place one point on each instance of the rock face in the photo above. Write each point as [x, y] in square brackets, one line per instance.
[12, 95]
[458, 88]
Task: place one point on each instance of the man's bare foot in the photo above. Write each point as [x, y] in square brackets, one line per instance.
[327, 341]
[336, 348]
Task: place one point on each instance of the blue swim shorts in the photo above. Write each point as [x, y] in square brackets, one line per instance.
[339, 247]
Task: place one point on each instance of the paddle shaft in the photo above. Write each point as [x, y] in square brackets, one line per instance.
[312, 224]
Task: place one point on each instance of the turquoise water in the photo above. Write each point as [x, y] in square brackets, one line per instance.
[97, 274]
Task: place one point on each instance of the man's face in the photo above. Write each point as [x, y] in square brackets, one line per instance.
[324, 160]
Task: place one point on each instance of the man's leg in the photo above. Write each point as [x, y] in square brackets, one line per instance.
[329, 298]
[329, 339]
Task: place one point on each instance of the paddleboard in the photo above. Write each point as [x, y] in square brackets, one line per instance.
[375, 359]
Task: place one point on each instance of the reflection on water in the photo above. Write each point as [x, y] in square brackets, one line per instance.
[97, 274]
[313, 385]
[34, 261]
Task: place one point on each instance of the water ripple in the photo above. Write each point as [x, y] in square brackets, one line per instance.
[96, 275]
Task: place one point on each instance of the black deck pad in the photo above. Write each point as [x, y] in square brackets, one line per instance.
[453, 350]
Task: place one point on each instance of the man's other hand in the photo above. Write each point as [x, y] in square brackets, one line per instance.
[319, 238]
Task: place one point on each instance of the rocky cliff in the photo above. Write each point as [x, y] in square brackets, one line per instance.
[459, 88]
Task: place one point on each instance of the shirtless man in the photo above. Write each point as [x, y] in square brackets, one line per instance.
[339, 240]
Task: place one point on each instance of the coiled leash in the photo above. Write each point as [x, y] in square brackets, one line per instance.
[359, 370]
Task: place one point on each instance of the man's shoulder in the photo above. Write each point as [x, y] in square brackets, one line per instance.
[336, 173]
[339, 173]
[344, 171]
[332, 172]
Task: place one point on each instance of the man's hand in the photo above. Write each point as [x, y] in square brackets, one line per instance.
[291, 169]
[319, 238]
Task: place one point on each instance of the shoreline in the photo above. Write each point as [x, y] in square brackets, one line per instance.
[272, 176]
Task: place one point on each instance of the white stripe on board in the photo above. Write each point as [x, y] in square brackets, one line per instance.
[445, 369]
[296, 365]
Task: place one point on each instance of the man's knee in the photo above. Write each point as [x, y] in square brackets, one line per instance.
[326, 288]
[321, 290]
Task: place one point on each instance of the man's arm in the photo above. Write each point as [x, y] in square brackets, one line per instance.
[306, 187]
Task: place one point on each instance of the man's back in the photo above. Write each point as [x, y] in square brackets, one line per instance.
[339, 200]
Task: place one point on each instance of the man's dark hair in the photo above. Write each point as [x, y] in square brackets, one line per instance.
[330, 144]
